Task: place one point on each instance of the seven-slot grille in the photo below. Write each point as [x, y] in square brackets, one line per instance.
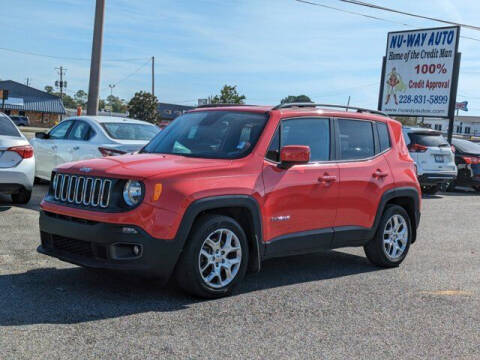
[82, 190]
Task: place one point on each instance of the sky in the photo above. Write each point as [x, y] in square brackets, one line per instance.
[268, 48]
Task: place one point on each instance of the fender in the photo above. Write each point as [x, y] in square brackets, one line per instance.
[409, 192]
[215, 202]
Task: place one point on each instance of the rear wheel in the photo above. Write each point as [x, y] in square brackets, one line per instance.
[451, 186]
[22, 197]
[215, 257]
[392, 240]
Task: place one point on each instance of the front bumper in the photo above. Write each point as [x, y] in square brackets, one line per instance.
[105, 246]
[436, 178]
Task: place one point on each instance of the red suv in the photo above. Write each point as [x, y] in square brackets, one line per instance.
[224, 187]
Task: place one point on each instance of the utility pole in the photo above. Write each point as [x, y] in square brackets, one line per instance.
[94, 85]
[348, 102]
[27, 81]
[111, 86]
[61, 84]
[153, 75]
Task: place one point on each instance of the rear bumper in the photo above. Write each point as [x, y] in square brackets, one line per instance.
[436, 178]
[106, 246]
[22, 175]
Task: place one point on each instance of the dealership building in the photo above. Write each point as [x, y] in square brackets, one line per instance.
[42, 109]
[463, 125]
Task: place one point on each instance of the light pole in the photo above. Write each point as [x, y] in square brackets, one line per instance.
[111, 86]
[94, 85]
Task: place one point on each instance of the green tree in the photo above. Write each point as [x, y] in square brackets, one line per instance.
[48, 89]
[295, 99]
[228, 95]
[80, 98]
[143, 106]
[118, 105]
[101, 104]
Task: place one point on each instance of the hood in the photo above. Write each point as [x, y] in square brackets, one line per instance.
[141, 166]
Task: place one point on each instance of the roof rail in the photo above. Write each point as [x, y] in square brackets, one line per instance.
[307, 104]
[220, 105]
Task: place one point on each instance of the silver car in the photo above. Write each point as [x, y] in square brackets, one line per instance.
[17, 162]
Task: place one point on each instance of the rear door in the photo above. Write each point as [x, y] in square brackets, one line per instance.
[431, 151]
[300, 201]
[364, 176]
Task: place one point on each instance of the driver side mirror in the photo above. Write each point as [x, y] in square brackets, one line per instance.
[41, 135]
[293, 155]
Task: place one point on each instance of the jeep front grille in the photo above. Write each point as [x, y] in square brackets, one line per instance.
[81, 190]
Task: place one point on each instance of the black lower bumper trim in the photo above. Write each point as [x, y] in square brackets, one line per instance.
[106, 246]
[435, 179]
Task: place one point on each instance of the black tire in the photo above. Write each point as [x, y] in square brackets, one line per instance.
[22, 197]
[187, 272]
[477, 188]
[375, 248]
[451, 186]
[431, 190]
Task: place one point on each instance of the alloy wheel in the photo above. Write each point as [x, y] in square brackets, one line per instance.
[395, 237]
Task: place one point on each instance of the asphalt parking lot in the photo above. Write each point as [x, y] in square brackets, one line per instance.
[331, 305]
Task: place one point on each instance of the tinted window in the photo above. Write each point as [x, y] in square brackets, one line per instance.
[356, 139]
[210, 134]
[79, 131]
[466, 146]
[273, 152]
[130, 131]
[314, 133]
[7, 127]
[60, 130]
[428, 139]
[383, 136]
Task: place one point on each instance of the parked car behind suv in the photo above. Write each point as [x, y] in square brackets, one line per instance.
[88, 137]
[467, 158]
[20, 120]
[17, 162]
[433, 156]
[223, 188]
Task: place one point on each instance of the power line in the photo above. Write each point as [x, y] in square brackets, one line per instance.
[368, 16]
[378, 7]
[65, 57]
[132, 73]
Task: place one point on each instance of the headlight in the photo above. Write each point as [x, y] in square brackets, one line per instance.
[132, 192]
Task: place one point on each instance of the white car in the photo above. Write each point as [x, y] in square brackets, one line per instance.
[17, 162]
[88, 137]
[433, 156]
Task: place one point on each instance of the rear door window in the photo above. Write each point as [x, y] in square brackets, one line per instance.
[356, 140]
[79, 131]
[7, 127]
[426, 139]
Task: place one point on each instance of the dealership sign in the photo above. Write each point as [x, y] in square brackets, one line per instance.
[420, 73]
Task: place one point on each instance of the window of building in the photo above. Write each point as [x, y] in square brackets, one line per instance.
[467, 129]
[438, 127]
[459, 129]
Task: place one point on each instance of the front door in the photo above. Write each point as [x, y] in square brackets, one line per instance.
[300, 201]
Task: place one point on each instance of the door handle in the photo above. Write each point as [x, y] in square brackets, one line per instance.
[76, 147]
[380, 174]
[327, 178]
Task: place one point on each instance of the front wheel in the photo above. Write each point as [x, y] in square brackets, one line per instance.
[22, 197]
[392, 240]
[215, 257]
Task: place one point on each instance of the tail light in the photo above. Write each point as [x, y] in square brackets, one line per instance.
[417, 148]
[25, 151]
[110, 152]
[453, 148]
[471, 160]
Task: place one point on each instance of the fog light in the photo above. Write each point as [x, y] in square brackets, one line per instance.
[129, 230]
[136, 250]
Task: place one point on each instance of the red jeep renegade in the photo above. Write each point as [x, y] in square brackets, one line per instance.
[224, 187]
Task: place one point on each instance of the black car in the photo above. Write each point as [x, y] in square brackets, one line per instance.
[20, 120]
[467, 158]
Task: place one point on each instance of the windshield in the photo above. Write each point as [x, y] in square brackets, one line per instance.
[466, 146]
[130, 131]
[7, 127]
[426, 139]
[210, 134]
